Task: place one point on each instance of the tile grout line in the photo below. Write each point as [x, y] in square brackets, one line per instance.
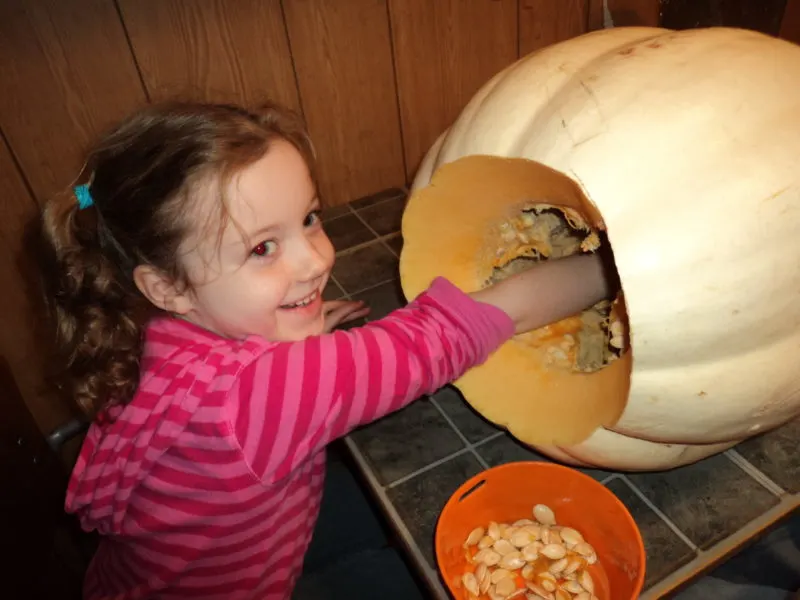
[371, 287]
[397, 521]
[754, 472]
[610, 478]
[660, 514]
[381, 239]
[426, 468]
[443, 460]
[463, 438]
[361, 246]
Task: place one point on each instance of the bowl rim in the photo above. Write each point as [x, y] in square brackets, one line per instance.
[542, 465]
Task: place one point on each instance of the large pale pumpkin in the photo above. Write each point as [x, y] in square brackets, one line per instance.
[684, 149]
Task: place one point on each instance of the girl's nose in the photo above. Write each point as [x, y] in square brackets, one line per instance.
[313, 258]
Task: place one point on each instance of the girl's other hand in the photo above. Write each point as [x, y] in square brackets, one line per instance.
[342, 311]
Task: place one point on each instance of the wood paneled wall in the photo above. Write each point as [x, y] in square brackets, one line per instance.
[375, 80]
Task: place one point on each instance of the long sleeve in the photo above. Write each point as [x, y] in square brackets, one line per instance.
[295, 398]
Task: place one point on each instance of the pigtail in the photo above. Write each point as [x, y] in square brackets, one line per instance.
[93, 307]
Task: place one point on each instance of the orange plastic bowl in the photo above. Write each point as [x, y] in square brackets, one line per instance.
[509, 492]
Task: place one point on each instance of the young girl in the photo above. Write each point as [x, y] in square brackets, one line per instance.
[186, 283]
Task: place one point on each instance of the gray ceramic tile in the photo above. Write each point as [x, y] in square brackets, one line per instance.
[332, 212]
[395, 243]
[407, 441]
[420, 499]
[332, 291]
[384, 218]
[709, 500]
[387, 194]
[347, 231]
[365, 267]
[665, 551]
[382, 299]
[776, 455]
[507, 449]
[474, 427]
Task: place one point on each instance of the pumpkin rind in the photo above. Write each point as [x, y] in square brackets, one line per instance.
[686, 142]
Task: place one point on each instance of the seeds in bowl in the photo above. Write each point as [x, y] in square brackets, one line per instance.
[529, 560]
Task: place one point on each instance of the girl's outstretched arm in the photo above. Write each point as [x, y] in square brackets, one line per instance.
[550, 291]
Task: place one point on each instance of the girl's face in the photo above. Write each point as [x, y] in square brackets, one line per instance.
[266, 274]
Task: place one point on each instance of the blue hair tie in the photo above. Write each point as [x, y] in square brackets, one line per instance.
[84, 196]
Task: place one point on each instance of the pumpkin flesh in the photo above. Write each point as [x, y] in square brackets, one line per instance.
[564, 380]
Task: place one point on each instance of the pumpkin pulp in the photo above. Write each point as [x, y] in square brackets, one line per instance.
[551, 386]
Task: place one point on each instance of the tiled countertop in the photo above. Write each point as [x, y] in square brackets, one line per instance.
[691, 518]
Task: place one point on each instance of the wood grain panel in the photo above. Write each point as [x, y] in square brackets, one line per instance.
[212, 50]
[759, 15]
[21, 331]
[635, 12]
[67, 73]
[444, 52]
[790, 23]
[343, 61]
[545, 22]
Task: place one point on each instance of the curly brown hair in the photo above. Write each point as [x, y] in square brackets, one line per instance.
[145, 175]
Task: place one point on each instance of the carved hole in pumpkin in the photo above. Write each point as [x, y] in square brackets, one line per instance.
[587, 342]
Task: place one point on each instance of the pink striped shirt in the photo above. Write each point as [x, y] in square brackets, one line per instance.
[208, 483]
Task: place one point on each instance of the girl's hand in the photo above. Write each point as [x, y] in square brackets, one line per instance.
[342, 311]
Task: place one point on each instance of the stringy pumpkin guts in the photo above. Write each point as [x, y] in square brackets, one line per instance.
[587, 342]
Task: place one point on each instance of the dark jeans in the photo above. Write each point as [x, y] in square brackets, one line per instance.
[350, 555]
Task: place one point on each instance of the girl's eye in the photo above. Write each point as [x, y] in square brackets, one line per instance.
[312, 218]
[265, 248]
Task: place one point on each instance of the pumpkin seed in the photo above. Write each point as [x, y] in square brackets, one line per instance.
[585, 579]
[617, 341]
[488, 556]
[616, 328]
[583, 596]
[584, 549]
[494, 531]
[499, 574]
[470, 583]
[531, 551]
[505, 587]
[544, 534]
[537, 589]
[504, 547]
[523, 523]
[558, 566]
[570, 536]
[573, 565]
[487, 541]
[522, 538]
[481, 571]
[554, 552]
[547, 581]
[486, 582]
[573, 587]
[474, 537]
[508, 531]
[562, 595]
[512, 561]
[544, 514]
[528, 571]
[493, 595]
